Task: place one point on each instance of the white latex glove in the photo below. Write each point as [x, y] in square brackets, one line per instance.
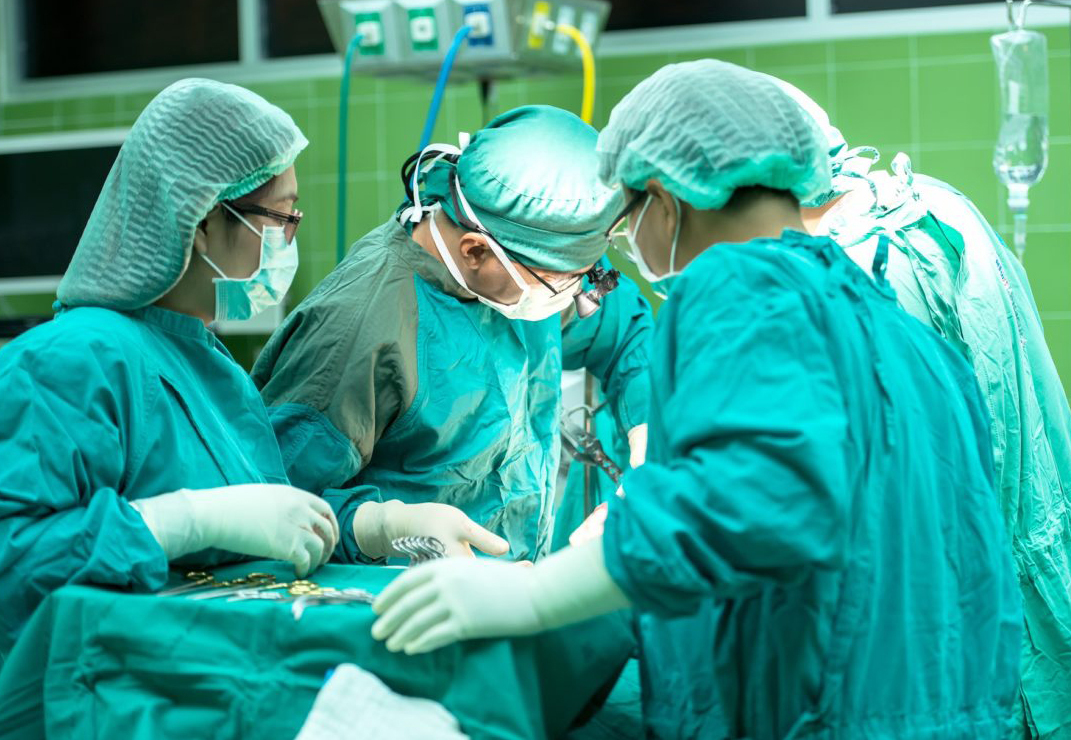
[637, 445]
[264, 520]
[591, 528]
[594, 525]
[376, 524]
[442, 601]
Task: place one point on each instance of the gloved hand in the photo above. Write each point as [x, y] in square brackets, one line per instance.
[637, 445]
[376, 524]
[443, 601]
[591, 527]
[263, 520]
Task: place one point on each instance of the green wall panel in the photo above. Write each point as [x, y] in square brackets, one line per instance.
[933, 96]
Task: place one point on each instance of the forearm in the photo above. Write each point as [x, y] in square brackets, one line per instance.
[573, 585]
[104, 542]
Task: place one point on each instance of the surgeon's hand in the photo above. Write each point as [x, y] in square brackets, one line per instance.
[443, 601]
[591, 528]
[376, 524]
[440, 602]
[637, 445]
[263, 520]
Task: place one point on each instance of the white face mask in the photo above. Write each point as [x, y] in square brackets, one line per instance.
[536, 302]
[659, 283]
[238, 299]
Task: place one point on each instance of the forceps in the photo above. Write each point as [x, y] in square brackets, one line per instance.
[419, 549]
[207, 582]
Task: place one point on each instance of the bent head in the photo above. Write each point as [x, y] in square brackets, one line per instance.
[718, 150]
[197, 144]
[523, 216]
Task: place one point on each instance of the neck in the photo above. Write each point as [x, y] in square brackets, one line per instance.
[194, 294]
[812, 217]
[422, 236]
[764, 217]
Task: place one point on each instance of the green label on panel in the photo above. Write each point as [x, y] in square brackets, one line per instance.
[370, 27]
[423, 30]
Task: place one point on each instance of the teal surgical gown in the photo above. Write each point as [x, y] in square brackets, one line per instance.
[814, 543]
[102, 407]
[388, 382]
[952, 272]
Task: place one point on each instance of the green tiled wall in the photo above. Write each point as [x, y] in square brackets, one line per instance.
[933, 96]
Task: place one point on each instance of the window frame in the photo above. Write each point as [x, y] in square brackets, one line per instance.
[30, 143]
[820, 24]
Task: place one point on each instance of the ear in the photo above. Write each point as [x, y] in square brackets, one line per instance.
[474, 250]
[200, 237]
[664, 204]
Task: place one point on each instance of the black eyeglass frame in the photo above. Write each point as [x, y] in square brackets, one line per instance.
[291, 221]
[632, 204]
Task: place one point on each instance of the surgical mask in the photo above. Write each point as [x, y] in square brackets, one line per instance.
[238, 299]
[660, 284]
[536, 302]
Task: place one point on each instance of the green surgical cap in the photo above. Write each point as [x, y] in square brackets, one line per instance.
[198, 142]
[530, 176]
[706, 128]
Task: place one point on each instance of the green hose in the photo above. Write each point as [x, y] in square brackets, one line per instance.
[343, 116]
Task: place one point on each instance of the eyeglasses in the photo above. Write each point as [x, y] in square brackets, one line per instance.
[290, 221]
[617, 234]
[568, 284]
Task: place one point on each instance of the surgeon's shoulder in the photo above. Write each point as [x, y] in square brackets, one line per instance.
[80, 344]
[366, 303]
[754, 270]
[925, 182]
[369, 282]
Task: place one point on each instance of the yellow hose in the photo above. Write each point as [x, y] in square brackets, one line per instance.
[587, 106]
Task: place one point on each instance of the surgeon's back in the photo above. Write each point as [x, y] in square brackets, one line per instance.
[874, 601]
[929, 563]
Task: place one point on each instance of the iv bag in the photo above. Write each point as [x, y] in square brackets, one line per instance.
[1022, 151]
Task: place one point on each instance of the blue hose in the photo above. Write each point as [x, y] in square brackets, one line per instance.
[343, 117]
[440, 86]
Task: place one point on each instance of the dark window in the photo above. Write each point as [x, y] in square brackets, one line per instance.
[858, 6]
[629, 14]
[294, 28]
[47, 199]
[69, 38]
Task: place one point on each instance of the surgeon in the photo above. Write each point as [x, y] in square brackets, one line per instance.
[418, 387]
[129, 436]
[814, 543]
[951, 271]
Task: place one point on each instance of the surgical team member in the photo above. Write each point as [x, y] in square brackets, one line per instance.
[814, 543]
[129, 436]
[418, 387]
[952, 272]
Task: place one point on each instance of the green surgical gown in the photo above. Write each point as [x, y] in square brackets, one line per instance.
[814, 543]
[101, 407]
[951, 271]
[388, 383]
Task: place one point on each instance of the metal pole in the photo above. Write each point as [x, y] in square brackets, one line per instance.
[589, 427]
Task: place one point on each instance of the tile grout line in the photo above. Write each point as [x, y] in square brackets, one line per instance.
[914, 99]
[831, 77]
